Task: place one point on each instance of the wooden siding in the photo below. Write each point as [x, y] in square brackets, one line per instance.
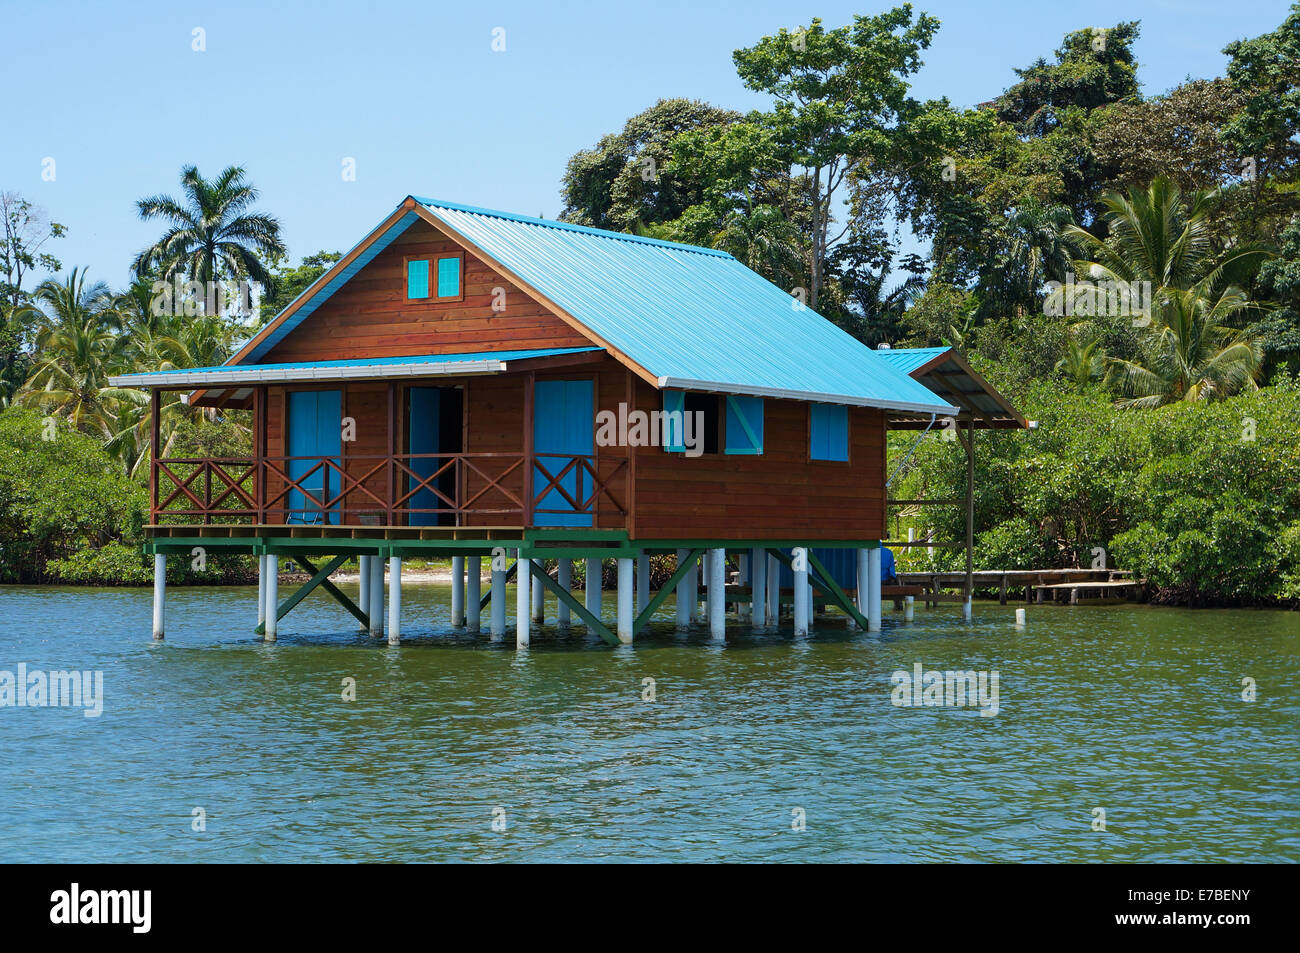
[370, 316]
[780, 494]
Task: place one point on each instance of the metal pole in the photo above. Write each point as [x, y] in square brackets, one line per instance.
[873, 589]
[474, 565]
[801, 600]
[718, 593]
[394, 600]
[159, 595]
[272, 595]
[458, 591]
[522, 579]
[497, 605]
[564, 575]
[591, 586]
[261, 590]
[376, 611]
[625, 619]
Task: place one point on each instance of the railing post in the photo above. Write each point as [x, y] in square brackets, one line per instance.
[528, 448]
[155, 448]
[392, 449]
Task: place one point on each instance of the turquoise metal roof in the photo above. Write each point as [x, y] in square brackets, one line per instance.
[908, 359]
[227, 374]
[694, 318]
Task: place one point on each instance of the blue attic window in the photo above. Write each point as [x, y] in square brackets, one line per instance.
[828, 432]
[417, 278]
[449, 268]
[744, 424]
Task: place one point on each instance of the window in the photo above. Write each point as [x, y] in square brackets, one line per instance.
[683, 416]
[436, 279]
[449, 277]
[744, 424]
[417, 278]
[828, 432]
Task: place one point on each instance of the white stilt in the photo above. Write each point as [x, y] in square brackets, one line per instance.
[773, 590]
[272, 596]
[625, 619]
[1020, 617]
[742, 579]
[591, 586]
[802, 608]
[693, 590]
[458, 591]
[812, 604]
[683, 605]
[717, 593]
[564, 574]
[758, 587]
[261, 590]
[642, 582]
[864, 574]
[365, 571]
[497, 605]
[966, 610]
[159, 594]
[394, 600]
[873, 589]
[909, 605]
[376, 610]
[523, 588]
[473, 614]
[538, 593]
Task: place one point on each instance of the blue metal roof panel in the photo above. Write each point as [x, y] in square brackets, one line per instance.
[908, 359]
[692, 317]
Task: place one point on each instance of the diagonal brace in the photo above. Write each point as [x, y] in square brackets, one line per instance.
[320, 577]
[574, 605]
[652, 607]
[835, 592]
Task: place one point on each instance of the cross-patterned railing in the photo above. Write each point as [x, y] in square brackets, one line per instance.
[414, 489]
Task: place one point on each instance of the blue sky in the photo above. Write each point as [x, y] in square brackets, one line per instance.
[413, 91]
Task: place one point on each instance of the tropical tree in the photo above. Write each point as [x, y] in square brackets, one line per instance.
[212, 233]
[79, 345]
[1084, 360]
[1160, 247]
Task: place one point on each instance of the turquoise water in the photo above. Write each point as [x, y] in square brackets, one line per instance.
[1133, 709]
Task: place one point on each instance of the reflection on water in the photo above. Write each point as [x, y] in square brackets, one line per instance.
[1134, 709]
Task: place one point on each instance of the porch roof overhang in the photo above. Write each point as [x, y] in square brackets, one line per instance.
[950, 376]
[230, 383]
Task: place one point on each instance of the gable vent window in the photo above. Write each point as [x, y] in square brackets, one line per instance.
[438, 278]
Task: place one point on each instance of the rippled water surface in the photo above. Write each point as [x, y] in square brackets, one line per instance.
[1133, 709]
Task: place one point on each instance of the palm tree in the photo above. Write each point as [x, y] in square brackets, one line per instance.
[212, 233]
[79, 345]
[1084, 360]
[1190, 343]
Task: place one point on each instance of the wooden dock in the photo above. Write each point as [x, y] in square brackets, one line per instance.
[1037, 585]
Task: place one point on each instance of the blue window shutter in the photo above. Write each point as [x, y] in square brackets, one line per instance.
[448, 277]
[744, 424]
[417, 279]
[828, 432]
[674, 427]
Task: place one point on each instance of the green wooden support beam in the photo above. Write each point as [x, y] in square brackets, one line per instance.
[320, 577]
[574, 605]
[683, 567]
[836, 593]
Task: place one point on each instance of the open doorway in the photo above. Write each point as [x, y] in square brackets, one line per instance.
[434, 425]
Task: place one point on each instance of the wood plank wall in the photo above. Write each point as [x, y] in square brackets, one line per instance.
[370, 315]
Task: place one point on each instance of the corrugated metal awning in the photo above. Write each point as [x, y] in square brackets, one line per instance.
[951, 378]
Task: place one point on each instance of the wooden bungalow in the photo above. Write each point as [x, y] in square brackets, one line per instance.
[481, 385]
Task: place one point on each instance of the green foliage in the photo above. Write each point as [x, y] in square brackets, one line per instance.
[58, 496]
[287, 283]
[1200, 499]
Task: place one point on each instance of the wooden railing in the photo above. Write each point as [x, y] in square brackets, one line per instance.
[414, 489]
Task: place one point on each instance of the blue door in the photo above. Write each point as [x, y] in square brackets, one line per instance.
[315, 431]
[564, 423]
